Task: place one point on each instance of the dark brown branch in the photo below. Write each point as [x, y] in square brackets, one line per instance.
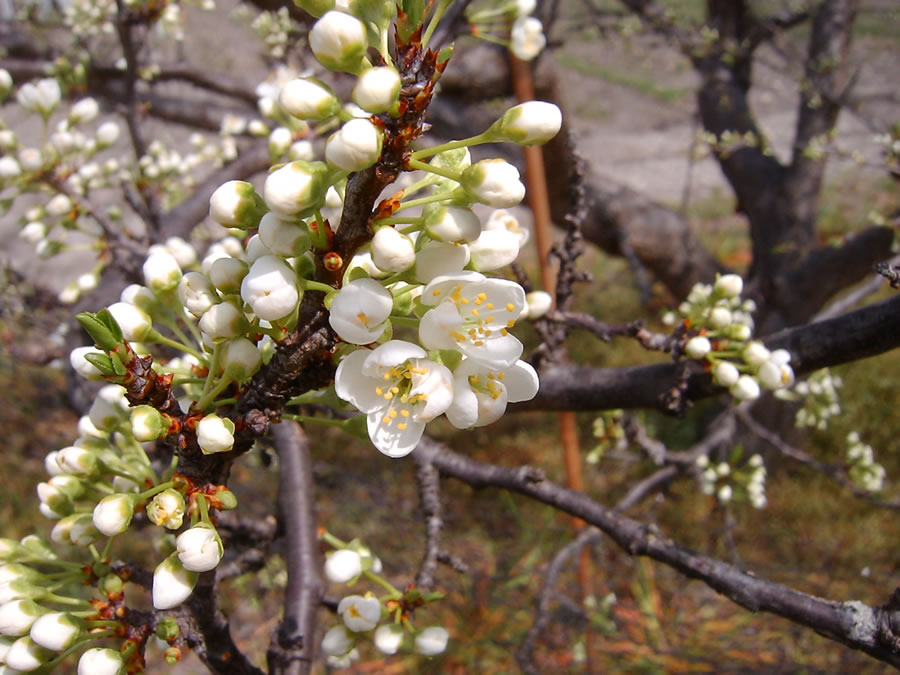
[430, 500]
[219, 84]
[875, 631]
[293, 646]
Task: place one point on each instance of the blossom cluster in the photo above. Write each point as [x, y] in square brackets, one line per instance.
[509, 23]
[820, 399]
[721, 325]
[747, 483]
[387, 619]
[863, 469]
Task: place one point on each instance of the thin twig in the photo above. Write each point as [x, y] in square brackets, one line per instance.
[430, 499]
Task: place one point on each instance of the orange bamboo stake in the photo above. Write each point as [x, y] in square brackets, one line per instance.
[539, 201]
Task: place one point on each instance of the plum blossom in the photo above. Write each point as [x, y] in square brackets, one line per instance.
[360, 310]
[398, 389]
[480, 393]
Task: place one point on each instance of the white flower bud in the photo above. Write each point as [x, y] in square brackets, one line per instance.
[109, 408]
[494, 182]
[99, 661]
[82, 531]
[41, 97]
[84, 111]
[343, 566]
[107, 134]
[360, 614]
[199, 548]
[236, 204]
[139, 296]
[113, 514]
[82, 366]
[283, 237]
[8, 140]
[539, 303]
[756, 354]
[377, 89]
[724, 494]
[338, 41]
[75, 460]
[337, 641]
[9, 168]
[529, 123]
[280, 141]
[740, 331]
[161, 271]
[296, 187]
[432, 641]
[60, 205]
[167, 509]
[355, 146]
[729, 285]
[215, 434]
[270, 288]
[17, 617]
[223, 321]
[227, 274]
[307, 98]
[256, 249]
[527, 38]
[452, 223]
[725, 374]
[301, 149]
[172, 583]
[147, 424]
[392, 251]
[360, 310]
[135, 324]
[697, 347]
[240, 359]
[719, 317]
[197, 293]
[57, 631]
[388, 638]
[182, 251]
[25, 655]
[745, 389]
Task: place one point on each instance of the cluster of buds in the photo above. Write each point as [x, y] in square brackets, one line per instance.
[386, 619]
[863, 469]
[819, 393]
[610, 435]
[509, 23]
[721, 326]
[747, 483]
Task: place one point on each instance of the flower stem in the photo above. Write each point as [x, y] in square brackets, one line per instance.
[430, 168]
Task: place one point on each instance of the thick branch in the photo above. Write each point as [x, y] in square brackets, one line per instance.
[875, 631]
[293, 647]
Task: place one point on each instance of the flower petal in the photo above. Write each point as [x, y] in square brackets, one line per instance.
[521, 382]
[390, 438]
[390, 354]
[351, 384]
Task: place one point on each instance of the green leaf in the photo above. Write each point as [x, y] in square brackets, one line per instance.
[100, 332]
[102, 363]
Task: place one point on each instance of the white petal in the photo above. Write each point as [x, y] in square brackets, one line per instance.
[390, 438]
[390, 354]
[352, 385]
[463, 412]
[439, 287]
[436, 382]
[521, 382]
[355, 333]
[499, 352]
[490, 409]
[436, 327]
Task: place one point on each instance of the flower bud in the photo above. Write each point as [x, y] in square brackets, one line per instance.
[215, 434]
[745, 389]
[54, 498]
[172, 583]
[167, 509]
[301, 149]
[494, 249]
[307, 98]
[109, 407]
[41, 97]
[355, 146]
[283, 237]
[338, 41]
[9, 168]
[82, 366]
[432, 641]
[388, 638]
[756, 354]
[296, 187]
[25, 655]
[107, 134]
[270, 288]
[494, 182]
[161, 271]
[529, 123]
[360, 310]
[719, 317]
[60, 205]
[377, 89]
[139, 296]
[227, 274]
[236, 204]
[360, 613]
[527, 38]
[75, 460]
[56, 631]
[82, 531]
[135, 323]
[725, 374]
[240, 359]
[6, 83]
[223, 321]
[280, 141]
[99, 661]
[197, 293]
[199, 548]
[451, 223]
[17, 617]
[343, 566]
[697, 347]
[337, 641]
[729, 285]
[84, 111]
[392, 251]
[113, 514]
[182, 251]
[539, 303]
[148, 424]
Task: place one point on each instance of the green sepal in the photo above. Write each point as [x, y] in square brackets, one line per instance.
[102, 328]
[433, 596]
[444, 55]
[104, 364]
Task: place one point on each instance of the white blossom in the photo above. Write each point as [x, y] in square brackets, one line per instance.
[197, 293]
[295, 187]
[17, 616]
[494, 182]
[697, 347]
[529, 123]
[480, 393]
[307, 98]
[756, 354]
[539, 303]
[57, 631]
[82, 366]
[25, 655]
[452, 223]
[113, 514]
[9, 168]
[388, 638]
[134, 322]
[215, 434]
[398, 389]
[107, 134]
[227, 274]
[270, 288]
[236, 204]
[355, 146]
[527, 38]
[432, 641]
[729, 285]
[360, 310]
[199, 548]
[342, 566]
[745, 389]
[337, 641]
[182, 251]
[438, 258]
[101, 661]
[725, 373]
[41, 97]
[223, 321]
[172, 583]
[161, 271]
[360, 613]
[284, 237]
[84, 110]
[494, 249]
[167, 509]
[338, 41]
[392, 251]
[377, 89]
[109, 408]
